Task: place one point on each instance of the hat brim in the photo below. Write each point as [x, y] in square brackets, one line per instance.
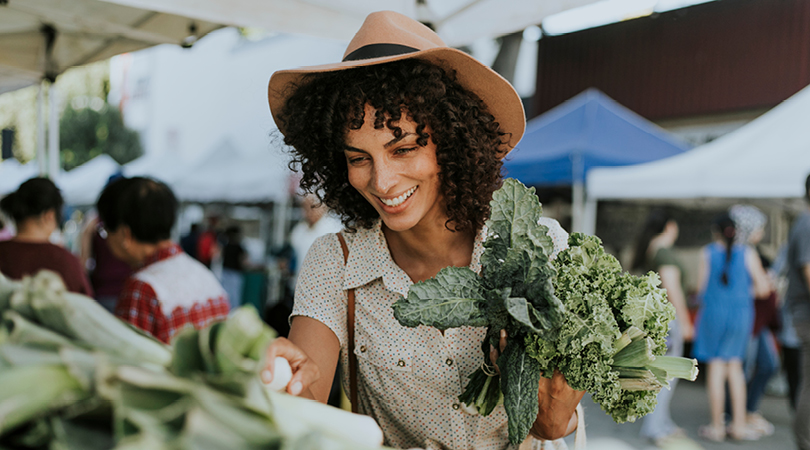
[500, 97]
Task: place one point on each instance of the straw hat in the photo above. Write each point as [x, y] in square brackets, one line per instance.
[389, 36]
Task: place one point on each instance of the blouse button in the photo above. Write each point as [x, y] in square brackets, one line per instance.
[401, 363]
[456, 406]
[449, 362]
[362, 349]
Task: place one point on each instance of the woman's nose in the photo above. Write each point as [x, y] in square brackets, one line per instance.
[383, 177]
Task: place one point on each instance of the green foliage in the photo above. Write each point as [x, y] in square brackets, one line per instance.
[86, 133]
[514, 292]
[573, 314]
[600, 301]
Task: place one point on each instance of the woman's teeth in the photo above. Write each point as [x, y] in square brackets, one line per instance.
[398, 200]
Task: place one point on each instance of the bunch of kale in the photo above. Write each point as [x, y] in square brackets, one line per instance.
[566, 314]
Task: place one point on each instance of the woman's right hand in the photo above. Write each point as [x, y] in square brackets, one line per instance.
[304, 370]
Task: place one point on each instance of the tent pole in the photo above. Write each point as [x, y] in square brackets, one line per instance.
[589, 217]
[578, 206]
[578, 193]
[53, 133]
[280, 217]
[41, 156]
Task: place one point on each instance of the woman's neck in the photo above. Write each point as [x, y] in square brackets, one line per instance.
[33, 231]
[424, 250]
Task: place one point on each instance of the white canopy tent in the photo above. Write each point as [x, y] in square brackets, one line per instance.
[767, 158]
[40, 39]
[82, 185]
[458, 22]
[232, 175]
[12, 174]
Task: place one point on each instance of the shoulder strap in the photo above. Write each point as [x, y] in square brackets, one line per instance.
[350, 323]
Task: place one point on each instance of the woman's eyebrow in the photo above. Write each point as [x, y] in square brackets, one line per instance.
[397, 139]
[349, 148]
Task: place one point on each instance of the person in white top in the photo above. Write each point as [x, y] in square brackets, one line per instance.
[316, 222]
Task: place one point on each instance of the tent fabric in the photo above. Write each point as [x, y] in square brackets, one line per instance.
[227, 175]
[81, 31]
[82, 185]
[767, 158]
[457, 22]
[589, 130]
[12, 175]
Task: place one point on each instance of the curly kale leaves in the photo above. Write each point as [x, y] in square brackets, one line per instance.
[600, 302]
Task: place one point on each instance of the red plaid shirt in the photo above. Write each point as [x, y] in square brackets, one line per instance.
[169, 292]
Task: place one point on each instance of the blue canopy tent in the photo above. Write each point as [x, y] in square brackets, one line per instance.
[589, 130]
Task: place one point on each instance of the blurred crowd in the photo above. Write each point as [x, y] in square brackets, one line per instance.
[747, 322]
[121, 253]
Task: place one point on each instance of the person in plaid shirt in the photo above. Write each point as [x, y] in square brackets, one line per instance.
[169, 290]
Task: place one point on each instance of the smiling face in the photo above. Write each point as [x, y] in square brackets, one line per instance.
[397, 176]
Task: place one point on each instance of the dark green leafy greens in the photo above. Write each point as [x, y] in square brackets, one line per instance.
[515, 292]
[603, 328]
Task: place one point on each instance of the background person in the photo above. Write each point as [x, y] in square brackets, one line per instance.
[316, 223]
[234, 262]
[190, 241]
[654, 252]
[409, 164]
[726, 274]
[36, 208]
[168, 289]
[798, 304]
[107, 273]
[762, 358]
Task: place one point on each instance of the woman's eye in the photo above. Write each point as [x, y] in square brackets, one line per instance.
[357, 160]
[403, 150]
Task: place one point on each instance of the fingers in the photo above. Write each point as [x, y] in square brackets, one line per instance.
[305, 372]
[494, 353]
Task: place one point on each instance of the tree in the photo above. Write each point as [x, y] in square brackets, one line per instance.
[88, 131]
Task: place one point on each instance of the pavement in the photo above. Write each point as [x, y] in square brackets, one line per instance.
[690, 410]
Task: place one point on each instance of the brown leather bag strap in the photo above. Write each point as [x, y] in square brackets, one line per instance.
[350, 324]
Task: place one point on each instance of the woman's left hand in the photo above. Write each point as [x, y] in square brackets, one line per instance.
[557, 404]
[557, 401]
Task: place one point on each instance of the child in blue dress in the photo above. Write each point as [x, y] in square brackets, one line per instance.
[730, 276]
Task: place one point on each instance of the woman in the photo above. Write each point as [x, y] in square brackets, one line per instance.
[406, 147]
[762, 358]
[36, 208]
[727, 273]
[654, 252]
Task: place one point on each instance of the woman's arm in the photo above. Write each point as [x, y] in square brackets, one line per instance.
[703, 272]
[312, 351]
[762, 284]
[671, 281]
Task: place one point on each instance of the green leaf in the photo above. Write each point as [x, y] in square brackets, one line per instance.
[454, 298]
[520, 378]
[523, 311]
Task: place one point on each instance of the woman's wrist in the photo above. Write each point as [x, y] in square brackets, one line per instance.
[549, 432]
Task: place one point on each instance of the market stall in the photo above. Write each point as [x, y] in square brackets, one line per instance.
[769, 158]
[590, 130]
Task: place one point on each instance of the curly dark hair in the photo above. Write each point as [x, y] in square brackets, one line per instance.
[469, 142]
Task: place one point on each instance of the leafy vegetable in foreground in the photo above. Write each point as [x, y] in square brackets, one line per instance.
[67, 385]
[604, 329]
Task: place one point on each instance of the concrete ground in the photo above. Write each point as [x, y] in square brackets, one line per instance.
[690, 410]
